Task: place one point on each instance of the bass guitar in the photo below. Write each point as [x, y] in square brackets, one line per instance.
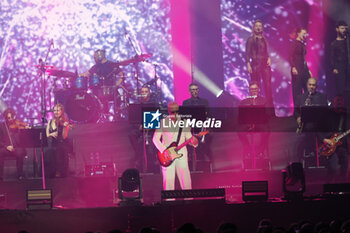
[327, 149]
[171, 153]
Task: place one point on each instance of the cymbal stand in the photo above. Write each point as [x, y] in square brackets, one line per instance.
[158, 91]
[43, 79]
[137, 76]
[42, 72]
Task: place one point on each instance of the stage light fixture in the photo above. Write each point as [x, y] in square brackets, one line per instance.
[293, 182]
[130, 187]
[39, 199]
[217, 194]
[255, 191]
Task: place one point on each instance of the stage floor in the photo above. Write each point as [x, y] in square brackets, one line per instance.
[205, 215]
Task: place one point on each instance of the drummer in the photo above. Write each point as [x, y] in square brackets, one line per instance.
[105, 70]
[102, 77]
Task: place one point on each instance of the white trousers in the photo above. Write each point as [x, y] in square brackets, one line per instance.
[180, 167]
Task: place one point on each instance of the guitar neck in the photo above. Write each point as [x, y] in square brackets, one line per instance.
[343, 134]
[186, 142]
[183, 144]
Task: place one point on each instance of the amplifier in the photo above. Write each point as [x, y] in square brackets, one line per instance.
[101, 169]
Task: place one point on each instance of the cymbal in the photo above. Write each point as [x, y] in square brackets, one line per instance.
[136, 58]
[46, 66]
[144, 56]
[61, 73]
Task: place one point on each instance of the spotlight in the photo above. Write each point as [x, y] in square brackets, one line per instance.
[130, 187]
[293, 182]
[39, 199]
[225, 99]
[219, 93]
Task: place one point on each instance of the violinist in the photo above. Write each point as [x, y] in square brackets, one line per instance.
[56, 160]
[9, 140]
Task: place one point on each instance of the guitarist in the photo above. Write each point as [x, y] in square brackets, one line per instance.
[163, 137]
[338, 124]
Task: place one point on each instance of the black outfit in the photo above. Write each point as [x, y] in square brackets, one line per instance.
[106, 72]
[195, 102]
[297, 59]
[253, 119]
[312, 109]
[257, 56]
[339, 61]
[141, 141]
[56, 156]
[337, 123]
[18, 153]
[203, 149]
[103, 80]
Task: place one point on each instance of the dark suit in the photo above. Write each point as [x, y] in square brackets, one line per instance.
[141, 141]
[312, 109]
[253, 119]
[18, 153]
[204, 143]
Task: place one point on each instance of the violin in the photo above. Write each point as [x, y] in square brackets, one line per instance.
[17, 124]
[61, 122]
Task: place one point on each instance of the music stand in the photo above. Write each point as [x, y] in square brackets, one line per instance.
[313, 116]
[194, 112]
[252, 115]
[135, 111]
[34, 138]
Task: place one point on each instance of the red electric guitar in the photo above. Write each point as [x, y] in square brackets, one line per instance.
[171, 153]
[326, 149]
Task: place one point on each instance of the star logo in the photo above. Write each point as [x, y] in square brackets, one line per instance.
[151, 120]
[155, 115]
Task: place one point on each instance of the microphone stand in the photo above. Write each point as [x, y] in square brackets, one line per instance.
[347, 47]
[43, 109]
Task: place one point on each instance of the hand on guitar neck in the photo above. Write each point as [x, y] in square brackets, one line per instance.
[193, 141]
[171, 153]
[10, 148]
[329, 145]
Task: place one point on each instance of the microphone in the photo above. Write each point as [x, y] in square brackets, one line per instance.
[308, 100]
[53, 46]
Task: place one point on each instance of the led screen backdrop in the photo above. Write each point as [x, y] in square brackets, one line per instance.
[280, 19]
[77, 28]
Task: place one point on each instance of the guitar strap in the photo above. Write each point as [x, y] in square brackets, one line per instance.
[341, 123]
[178, 136]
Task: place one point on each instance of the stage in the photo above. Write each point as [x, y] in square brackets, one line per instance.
[84, 202]
[167, 217]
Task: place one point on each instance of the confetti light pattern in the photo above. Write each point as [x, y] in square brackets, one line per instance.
[280, 18]
[77, 28]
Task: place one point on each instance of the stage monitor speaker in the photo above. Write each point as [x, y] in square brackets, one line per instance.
[254, 191]
[194, 193]
[39, 199]
[336, 190]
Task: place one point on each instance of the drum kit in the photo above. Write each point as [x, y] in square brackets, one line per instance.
[87, 99]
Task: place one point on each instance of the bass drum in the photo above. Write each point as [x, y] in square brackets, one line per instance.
[83, 107]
